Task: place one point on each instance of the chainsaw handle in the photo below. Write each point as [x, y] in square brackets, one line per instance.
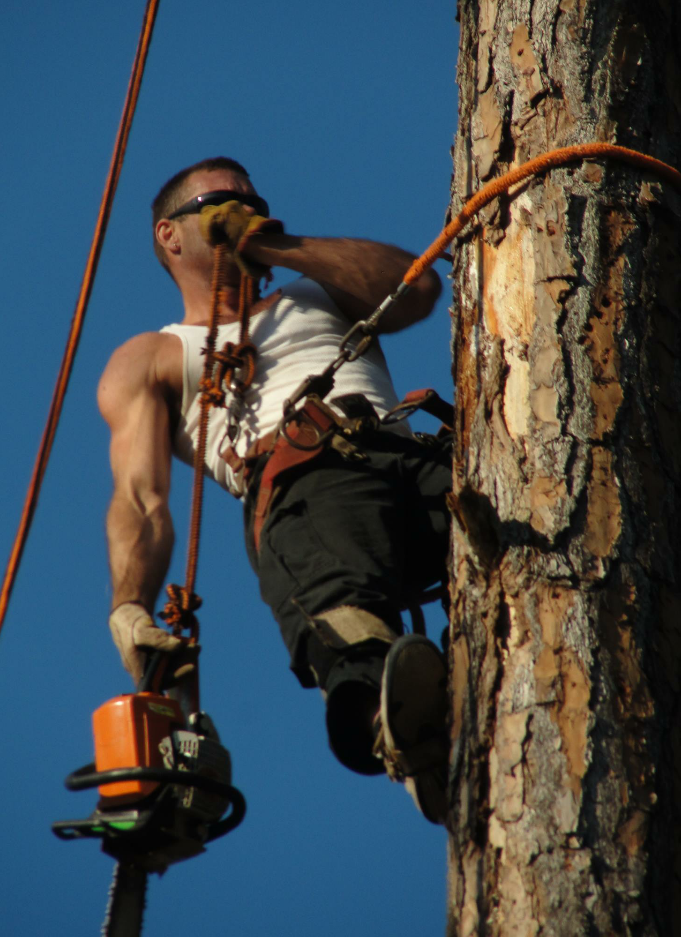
[88, 777]
[154, 670]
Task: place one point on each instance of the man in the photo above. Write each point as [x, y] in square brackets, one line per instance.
[348, 536]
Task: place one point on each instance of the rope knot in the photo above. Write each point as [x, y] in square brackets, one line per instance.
[235, 357]
[211, 392]
[178, 611]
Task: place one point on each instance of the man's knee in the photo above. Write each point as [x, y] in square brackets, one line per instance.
[346, 649]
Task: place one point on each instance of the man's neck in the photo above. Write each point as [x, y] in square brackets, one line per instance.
[197, 304]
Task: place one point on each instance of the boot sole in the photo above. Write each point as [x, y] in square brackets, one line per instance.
[414, 707]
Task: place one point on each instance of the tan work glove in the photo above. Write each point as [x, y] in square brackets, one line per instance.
[135, 634]
[232, 224]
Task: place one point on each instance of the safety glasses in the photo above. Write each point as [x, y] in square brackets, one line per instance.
[218, 197]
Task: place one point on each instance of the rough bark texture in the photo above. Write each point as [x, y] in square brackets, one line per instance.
[566, 585]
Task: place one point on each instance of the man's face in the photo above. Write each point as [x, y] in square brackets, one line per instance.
[195, 250]
[210, 180]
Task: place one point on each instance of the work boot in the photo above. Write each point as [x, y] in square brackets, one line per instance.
[411, 725]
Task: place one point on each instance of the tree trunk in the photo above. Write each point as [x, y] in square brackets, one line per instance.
[566, 584]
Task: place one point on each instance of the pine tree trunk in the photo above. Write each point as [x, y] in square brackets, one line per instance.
[566, 577]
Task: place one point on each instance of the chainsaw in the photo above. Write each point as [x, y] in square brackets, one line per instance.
[165, 786]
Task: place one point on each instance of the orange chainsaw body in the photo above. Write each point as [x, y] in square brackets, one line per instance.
[127, 731]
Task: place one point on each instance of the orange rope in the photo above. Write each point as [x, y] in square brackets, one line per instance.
[182, 601]
[66, 366]
[533, 167]
[219, 270]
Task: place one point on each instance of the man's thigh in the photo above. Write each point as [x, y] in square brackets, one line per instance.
[336, 537]
[365, 533]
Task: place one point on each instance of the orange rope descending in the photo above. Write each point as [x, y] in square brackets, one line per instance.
[533, 167]
[218, 367]
[81, 305]
[178, 611]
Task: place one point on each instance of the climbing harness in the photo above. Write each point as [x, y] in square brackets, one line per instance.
[307, 426]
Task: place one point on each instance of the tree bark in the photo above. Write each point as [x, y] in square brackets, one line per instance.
[566, 585]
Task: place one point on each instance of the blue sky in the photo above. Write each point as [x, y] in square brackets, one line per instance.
[344, 114]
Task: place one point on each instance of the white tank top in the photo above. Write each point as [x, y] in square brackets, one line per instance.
[296, 336]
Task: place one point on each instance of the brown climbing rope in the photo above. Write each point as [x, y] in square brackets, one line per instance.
[220, 370]
[66, 366]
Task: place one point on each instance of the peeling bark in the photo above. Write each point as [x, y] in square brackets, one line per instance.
[566, 585]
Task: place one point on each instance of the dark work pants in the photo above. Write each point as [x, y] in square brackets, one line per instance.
[371, 533]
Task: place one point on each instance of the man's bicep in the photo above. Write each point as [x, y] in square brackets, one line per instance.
[135, 407]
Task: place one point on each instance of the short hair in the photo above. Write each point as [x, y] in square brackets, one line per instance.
[170, 198]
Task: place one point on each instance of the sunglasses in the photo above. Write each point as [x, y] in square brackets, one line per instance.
[219, 197]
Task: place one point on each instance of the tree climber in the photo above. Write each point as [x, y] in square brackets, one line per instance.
[346, 538]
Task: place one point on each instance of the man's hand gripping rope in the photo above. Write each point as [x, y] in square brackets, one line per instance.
[136, 636]
[235, 224]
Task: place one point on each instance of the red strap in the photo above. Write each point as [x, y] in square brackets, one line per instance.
[424, 399]
[309, 427]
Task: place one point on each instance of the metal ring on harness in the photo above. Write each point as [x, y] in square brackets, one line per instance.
[322, 437]
[397, 414]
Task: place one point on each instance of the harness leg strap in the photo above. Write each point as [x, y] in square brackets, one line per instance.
[348, 625]
[311, 431]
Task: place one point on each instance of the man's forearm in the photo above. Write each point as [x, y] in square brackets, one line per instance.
[140, 547]
[368, 270]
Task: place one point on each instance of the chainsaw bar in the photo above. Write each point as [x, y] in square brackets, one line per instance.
[127, 895]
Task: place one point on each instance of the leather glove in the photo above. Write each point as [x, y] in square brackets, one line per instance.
[232, 225]
[135, 634]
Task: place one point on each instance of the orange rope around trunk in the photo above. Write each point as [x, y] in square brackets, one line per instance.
[533, 167]
[81, 305]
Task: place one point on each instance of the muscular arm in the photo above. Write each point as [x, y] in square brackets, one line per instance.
[358, 274]
[139, 527]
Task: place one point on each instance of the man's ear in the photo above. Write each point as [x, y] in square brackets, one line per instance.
[165, 235]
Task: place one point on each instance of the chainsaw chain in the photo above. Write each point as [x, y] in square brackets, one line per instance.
[127, 895]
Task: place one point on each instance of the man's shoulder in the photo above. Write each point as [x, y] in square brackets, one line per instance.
[144, 345]
[139, 365]
[139, 353]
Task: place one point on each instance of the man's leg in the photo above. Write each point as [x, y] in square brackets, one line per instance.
[346, 545]
[330, 564]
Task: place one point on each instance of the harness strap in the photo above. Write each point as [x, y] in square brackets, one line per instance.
[310, 429]
[424, 399]
[306, 437]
